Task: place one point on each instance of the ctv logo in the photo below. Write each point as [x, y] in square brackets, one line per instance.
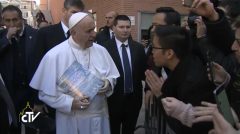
[27, 114]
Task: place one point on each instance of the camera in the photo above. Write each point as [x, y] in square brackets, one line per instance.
[191, 21]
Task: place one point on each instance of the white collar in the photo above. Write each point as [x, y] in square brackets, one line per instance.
[65, 28]
[74, 44]
[119, 43]
[110, 30]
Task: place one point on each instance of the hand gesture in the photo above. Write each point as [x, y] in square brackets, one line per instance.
[154, 82]
[178, 110]
[12, 32]
[172, 106]
[205, 8]
[201, 27]
[219, 74]
[221, 126]
[204, 113]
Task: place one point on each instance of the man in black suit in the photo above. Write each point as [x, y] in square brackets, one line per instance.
[106, 32]
[130, 59]
[16, 43]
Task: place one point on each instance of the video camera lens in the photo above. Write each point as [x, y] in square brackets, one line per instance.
[191, 21]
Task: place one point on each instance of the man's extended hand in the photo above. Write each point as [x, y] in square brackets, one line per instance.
[154, 82]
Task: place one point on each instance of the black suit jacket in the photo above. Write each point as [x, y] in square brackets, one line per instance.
[6, 104]
[103, 36]
[189, 83]
[47, 38]
[138, 61]
[7, 64]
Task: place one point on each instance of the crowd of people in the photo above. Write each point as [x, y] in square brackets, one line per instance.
[83, 82]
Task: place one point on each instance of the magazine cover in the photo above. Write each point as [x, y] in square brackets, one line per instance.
[80, 81]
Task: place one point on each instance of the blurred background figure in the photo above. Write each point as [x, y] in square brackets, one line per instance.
[43, 24]
[40, 17]
[231, 8]
[16, 45]
[105, 33]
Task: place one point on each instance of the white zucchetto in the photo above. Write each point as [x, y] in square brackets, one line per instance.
[76, 18]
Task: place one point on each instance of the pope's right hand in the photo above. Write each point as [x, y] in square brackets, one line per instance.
[80, 103]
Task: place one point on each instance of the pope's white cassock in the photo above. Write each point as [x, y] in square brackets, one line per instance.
[92, 120]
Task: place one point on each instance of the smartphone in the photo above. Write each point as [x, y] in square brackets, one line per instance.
[223, 104]
[188, 3]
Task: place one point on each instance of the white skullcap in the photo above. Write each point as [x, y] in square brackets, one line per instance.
[75, 18]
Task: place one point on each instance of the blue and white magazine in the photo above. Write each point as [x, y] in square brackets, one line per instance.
[76, 77]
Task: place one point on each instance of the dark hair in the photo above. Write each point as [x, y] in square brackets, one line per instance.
[233, 7]
[172, 16]
[175, 38]
[215, 2]
[74, 3]
[12, 8]
[121, 17]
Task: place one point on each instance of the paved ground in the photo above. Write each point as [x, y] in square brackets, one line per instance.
[141, 117]
[140, 121]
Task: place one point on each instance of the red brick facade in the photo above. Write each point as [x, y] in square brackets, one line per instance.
[55, 7]
[128, 7]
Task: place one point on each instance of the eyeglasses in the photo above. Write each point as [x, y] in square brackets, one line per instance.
[158, 47]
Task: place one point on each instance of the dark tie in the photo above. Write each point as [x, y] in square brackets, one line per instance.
[8, 101]
[68, 34]
[113, 36]
[128, 86]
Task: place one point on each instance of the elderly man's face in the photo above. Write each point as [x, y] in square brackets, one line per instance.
[236, 44]
[110, 16]
[12, 19]
[84, 34]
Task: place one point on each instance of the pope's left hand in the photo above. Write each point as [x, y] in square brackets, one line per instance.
[105, 88]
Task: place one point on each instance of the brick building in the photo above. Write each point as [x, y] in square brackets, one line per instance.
[139, 11]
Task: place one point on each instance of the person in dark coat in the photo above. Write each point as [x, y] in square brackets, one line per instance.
[7, 110]
[125, 102]
[16, 44]
[106, 32]
[187, 81]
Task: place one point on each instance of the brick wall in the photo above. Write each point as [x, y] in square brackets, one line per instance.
[128, 7]
[55, 8]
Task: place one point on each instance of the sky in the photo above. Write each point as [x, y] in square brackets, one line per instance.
[37, 1]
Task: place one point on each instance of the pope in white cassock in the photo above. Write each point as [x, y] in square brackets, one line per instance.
[75, 112]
